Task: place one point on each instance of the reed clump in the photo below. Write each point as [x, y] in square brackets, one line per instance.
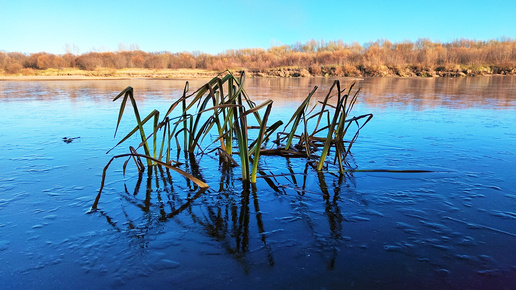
[217, 117]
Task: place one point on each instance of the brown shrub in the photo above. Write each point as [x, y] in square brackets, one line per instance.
[305, 73]
[315, 70]
[375, 70]
[350, 71]
[13, 68]
[138, 61]
[89, 61]
[401, 71]
[338, 71]
[27, 72]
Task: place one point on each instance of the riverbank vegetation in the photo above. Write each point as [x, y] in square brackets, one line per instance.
[314, 58]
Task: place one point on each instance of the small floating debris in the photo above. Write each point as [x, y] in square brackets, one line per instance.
[69, 139]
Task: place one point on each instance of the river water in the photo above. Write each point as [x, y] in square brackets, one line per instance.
[453, 227]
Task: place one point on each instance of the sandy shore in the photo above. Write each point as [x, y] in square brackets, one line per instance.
[57, 78]
[109, 74]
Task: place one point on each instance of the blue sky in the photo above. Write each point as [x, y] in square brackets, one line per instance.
[214, 26]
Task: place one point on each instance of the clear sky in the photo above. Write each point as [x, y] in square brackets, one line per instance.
[214, 26]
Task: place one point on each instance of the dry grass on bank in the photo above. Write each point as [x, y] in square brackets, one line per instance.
[74, 73]
[282, 72]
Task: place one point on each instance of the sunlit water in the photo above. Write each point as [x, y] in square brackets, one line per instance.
[454, 227]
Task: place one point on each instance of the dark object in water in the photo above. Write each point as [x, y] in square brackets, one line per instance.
[69, 140]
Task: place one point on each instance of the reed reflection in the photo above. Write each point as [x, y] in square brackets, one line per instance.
[232, 215]
[229, 223]
[154, 192]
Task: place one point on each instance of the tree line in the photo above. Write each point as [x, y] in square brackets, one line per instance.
[378, 58]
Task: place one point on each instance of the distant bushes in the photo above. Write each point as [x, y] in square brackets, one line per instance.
[380, 58]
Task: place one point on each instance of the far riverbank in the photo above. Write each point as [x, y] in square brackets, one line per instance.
[323, 71]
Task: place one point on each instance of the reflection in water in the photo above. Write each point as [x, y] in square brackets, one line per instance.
[335, 218]
[419, 93]
[440, 92]
[227, 218]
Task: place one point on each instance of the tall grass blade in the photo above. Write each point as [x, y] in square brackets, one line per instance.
[263, 128]
[154, 114]
[128, 94]
[296, 117]
[331, 127]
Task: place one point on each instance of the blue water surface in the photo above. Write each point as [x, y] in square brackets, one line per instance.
[452, 227]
